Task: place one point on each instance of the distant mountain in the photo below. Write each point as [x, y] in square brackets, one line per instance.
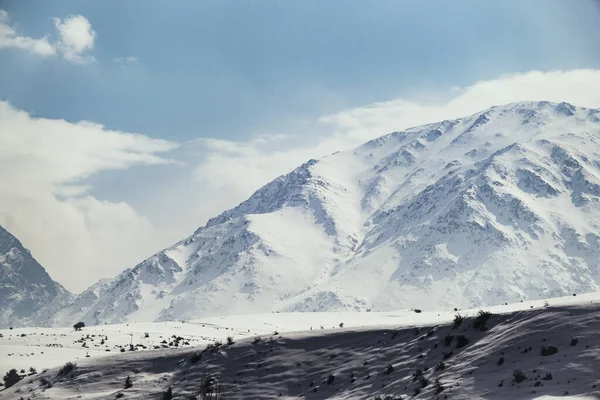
[27, 293]
[496, 207]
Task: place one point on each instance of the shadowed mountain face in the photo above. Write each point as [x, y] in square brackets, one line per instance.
[496, 207]
[27, 293]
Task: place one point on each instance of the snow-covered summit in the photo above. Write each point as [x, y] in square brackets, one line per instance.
[495, 207]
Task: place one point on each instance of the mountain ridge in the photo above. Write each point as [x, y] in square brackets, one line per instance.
[460, 212]
[28, 295]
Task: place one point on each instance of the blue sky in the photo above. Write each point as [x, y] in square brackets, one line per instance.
[229, 69]
[226, 95]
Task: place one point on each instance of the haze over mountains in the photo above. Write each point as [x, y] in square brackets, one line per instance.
[496, 207]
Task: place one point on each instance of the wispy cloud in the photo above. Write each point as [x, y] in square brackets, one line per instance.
[124, 61]
[10, 38]
[75, 39]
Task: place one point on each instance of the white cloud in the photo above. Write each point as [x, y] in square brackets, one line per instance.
[75, 39]
[43, 200]
[10, 38]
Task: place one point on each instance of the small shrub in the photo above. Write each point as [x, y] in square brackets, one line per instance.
[168, 395]
[11, 378]
[500, 361]
[440, 366]
[480, 322]
[418, 311]
[423, 382]
[388, 369]
[447, 355]
[461, 341]
[128, 383]
[548, 351]
[65, 369]
[32, 370]
[330, 379]
[574, 341]
[458, 320]
[547, 377]
[341, 324]
[519, 376]
[78, 326]
[448, 340]
[119, 395]
[256, 340]
[229, 340]
[146, 335]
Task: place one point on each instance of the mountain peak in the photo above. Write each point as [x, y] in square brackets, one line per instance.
[491, 208]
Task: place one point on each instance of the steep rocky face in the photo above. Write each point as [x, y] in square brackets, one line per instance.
[27, 293]
[495, 207]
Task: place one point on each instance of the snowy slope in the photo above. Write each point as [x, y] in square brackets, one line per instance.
[27, 293]
[398, 354]
[496, 207]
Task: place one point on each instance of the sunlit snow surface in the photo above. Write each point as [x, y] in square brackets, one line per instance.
[297, 361]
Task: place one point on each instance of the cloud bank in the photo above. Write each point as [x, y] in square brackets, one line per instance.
[44, 200]
[75, 39]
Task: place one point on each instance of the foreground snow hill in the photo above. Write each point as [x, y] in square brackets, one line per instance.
[497, 207]
[27, 293]
[522, 351]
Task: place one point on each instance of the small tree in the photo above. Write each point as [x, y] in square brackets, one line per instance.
[128, 383]
[78, 326]
[11, 378]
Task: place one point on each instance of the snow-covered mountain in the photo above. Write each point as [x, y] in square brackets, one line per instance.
[27, 293]
[496, 207]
